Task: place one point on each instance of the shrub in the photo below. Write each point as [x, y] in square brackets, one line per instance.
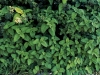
[49, 35]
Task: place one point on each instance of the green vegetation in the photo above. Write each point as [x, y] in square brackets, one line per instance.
[60, 36]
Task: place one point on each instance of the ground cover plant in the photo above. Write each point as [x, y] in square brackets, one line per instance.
[57, 36]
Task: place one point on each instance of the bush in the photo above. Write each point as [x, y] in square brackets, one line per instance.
[55, 36]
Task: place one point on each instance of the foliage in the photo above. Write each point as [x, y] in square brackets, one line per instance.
[61, 36]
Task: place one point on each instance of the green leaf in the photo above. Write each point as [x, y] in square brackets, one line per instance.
[60, 7]
[36, 41]
[48, 54]
[20, 33]
[61, 62]
[28, 10]
[97, 67]
[68, 66]
[36, 69]
[41, 56]
[44, 27]
[26, 44]
[2, 47]
[32, 34]
[48, 65]
[44, 43]
[62, 70]
[50, 1]
[38, 46]
[54, 20]
[25, 29]
[9, 50]
[2, 60]
[88, 69]
[19, 10]
[84, 40]
[33, 52]
[18, 60]
[16, 37]
[69, 72]
[11, 31]
[27, 38]
[98, 32]
[8, 24]
[19, 52]
[13, 56]
[96, 52]
[62, 42]
[52, 32]
[29, 61]
[54, 69]
[64, 1]
[98, 60]
[73, 15]
[3, 11]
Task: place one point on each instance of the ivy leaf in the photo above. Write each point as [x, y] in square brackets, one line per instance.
[19, 10]
[16, 37]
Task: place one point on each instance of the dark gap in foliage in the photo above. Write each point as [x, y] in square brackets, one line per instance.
[28, 48]
[55, 5]
[35, 22]
[42, 3]
[60, 36]
[82, 6]
[1, 29]
[1, 36]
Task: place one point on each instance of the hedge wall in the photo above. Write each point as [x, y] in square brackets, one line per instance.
[57, 36]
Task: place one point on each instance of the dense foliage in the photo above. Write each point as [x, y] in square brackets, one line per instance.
[58, 36]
